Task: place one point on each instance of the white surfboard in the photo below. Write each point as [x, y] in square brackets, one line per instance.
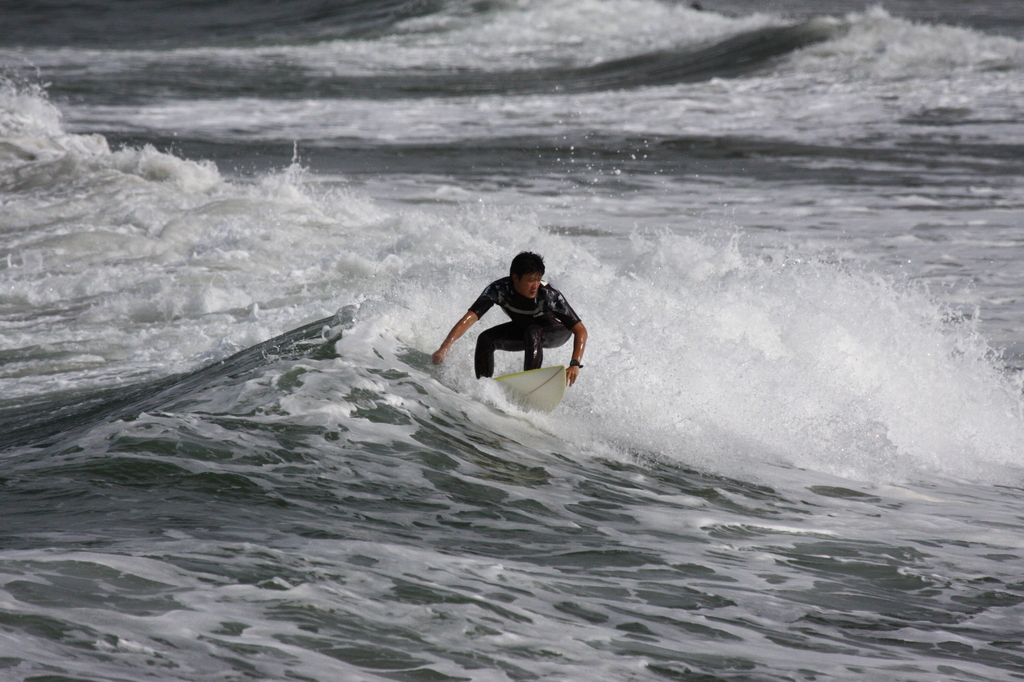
[536, 389]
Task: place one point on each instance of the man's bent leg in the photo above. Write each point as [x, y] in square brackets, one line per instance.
[511, 337]
[506, 336]
[536, 338]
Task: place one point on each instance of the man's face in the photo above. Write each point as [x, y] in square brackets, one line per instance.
[527, 284]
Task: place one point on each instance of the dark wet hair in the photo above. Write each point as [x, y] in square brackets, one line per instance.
[525, 263]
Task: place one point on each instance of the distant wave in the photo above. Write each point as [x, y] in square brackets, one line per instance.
[732, 57]
[735, 56]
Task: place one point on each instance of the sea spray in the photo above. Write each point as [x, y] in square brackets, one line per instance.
[706, 354]
[811, 363]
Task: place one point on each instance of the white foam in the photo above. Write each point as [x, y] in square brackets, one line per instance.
[139, 256]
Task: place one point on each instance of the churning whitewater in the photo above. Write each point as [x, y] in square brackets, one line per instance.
[231, 237]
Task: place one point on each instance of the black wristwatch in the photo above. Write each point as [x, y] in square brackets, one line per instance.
[575, 363]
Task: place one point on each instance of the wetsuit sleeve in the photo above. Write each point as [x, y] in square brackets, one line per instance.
[487, 299]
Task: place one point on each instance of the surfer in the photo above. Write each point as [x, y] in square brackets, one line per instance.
[540, 318]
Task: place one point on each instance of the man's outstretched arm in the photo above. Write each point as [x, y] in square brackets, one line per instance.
[467, 321]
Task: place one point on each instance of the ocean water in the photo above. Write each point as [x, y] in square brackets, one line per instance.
[232, 234]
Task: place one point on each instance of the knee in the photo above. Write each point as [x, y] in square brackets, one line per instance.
[533, 335]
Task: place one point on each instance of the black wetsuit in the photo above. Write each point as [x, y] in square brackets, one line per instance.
[538, 323]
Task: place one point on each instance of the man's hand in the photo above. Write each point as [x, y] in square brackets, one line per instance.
[467, 321]
[579, 344]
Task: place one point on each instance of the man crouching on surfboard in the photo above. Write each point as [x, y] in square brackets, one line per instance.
[540, 318]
